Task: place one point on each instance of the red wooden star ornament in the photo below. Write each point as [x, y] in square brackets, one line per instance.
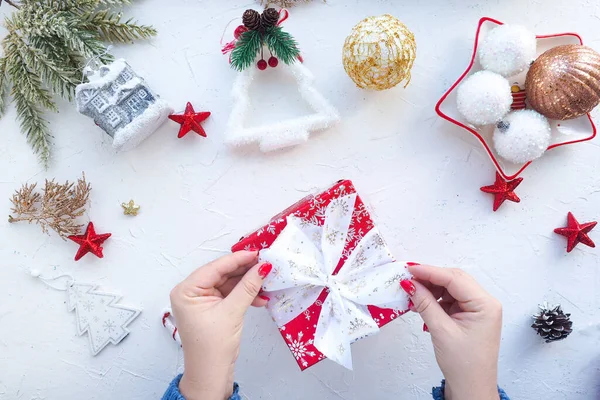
[190, 120]
[503, 190]
[89, 242]
[576, 233]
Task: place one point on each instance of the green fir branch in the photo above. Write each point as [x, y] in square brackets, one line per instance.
[3, 86]
[33, 125]
[55, 49]
[29, 96]
[67, 5]
[282, 44]
[112, 29]
[59, 78]
[246, 49]
[114, 3]
[25, 81]
[81, 41]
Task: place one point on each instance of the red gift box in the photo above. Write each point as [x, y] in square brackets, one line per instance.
[299, 333]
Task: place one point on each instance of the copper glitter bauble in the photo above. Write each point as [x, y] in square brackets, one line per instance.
[564, 82]
[379, 53]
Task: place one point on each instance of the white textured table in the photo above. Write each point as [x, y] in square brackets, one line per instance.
[420, 175]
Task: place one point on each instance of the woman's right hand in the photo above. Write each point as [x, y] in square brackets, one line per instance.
[465, 323]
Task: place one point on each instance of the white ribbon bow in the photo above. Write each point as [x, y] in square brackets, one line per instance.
[304, 257]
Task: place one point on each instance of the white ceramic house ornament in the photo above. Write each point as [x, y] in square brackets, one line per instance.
[285, 133]
[121, 103]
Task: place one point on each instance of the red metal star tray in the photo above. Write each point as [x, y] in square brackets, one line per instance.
[563, 132]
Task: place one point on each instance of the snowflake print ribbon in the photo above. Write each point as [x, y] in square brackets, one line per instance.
[304, 257]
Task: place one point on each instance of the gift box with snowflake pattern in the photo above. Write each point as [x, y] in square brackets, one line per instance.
[334, 280]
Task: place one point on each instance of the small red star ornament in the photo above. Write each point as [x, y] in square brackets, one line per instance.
[89, 242]
[503, 190]
[190, 120]
[576, 233]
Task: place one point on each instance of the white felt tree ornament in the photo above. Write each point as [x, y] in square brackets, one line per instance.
[285, 133]
[98, 314]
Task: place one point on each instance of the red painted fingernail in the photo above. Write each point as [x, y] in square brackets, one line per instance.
[411, 305]
[264, 269]
[252, 248]
[262, 296]
[412, 264]
[408, 287]
[425, 328]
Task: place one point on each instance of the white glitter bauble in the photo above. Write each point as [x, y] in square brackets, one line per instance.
[507, 50]
[484, 98]
[522, 136]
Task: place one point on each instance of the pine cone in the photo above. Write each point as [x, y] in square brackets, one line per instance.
[269, 18]
[552, 323]
[251, 20]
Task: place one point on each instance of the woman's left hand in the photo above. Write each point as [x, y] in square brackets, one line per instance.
[209, 308]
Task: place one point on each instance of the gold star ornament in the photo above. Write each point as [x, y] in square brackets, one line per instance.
[130, 208]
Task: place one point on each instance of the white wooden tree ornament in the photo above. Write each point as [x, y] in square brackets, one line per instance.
[98, 313]
[281, 134]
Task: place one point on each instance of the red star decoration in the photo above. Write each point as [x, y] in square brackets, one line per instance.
[89, 242]
[503, 190]
[190, 121]
[576, 233]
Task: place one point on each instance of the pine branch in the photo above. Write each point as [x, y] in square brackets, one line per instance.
[25, 81]
[84, 42]
[55, 49]
[3, 85]
[29, 95]
[246, 49]
[11, 3]
[60, 79]
[33, 125]
[113, 3]
[38, 23]
[61, 5]
[112, 29]
[282, 44]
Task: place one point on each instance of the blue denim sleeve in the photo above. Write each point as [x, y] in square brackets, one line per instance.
[173, 393]
[438, 392]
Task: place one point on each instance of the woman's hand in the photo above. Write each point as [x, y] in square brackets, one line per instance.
[465, 323]
[209, 308]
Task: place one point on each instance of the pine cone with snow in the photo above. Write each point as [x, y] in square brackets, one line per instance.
[552, 323]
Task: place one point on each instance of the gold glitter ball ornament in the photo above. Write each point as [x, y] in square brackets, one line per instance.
[564, 82]
[379, 53]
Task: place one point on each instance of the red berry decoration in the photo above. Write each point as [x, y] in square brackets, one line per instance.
[273, 62]
[262, 65]
[239, 30]
[576, 233]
